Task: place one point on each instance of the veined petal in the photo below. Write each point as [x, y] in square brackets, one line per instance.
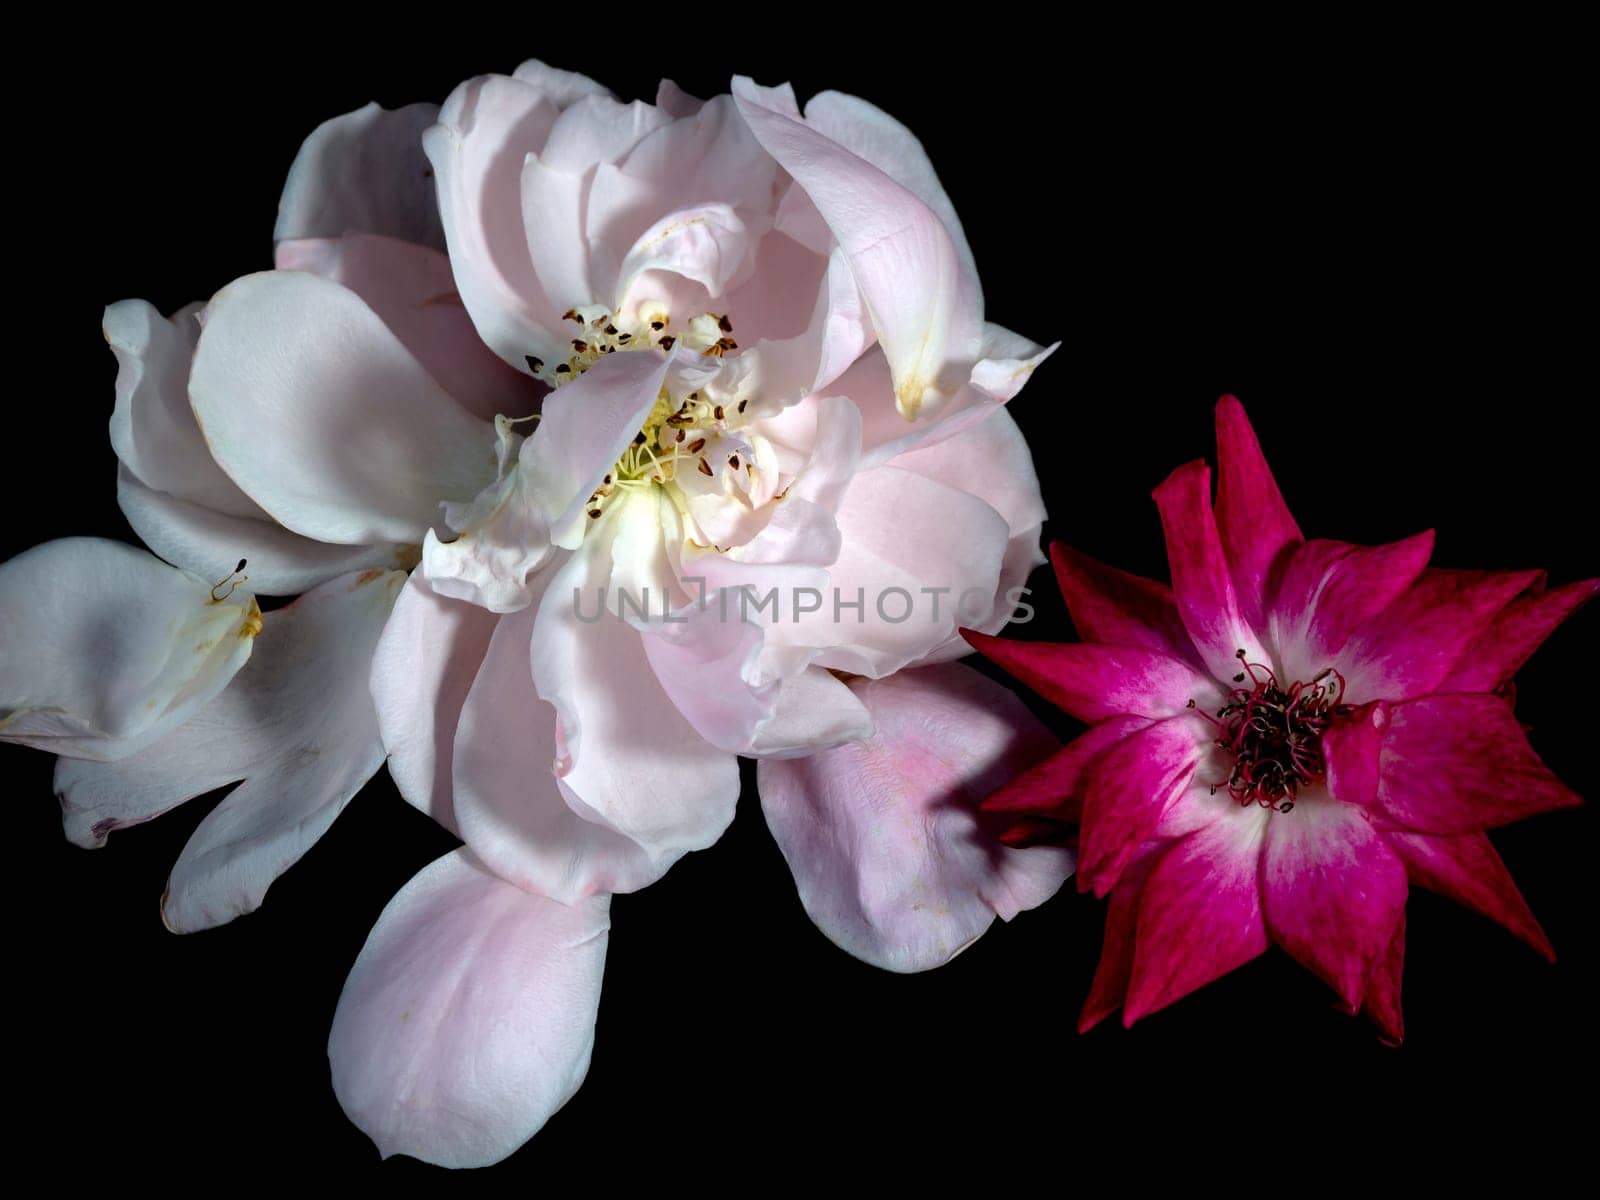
[1200, 913]
[468, 1018]
[314, 408]
[1093, 682]
[423, 667]
[924, 300]
[1468, 870]
[363, 172]
[1512, 637]
[1333, 892]
[1206, 598]
[297, 726]
[1253, 522]
[1460, 764]
[508, 801]
[103, 648]
[1128, 789]
[883, 836]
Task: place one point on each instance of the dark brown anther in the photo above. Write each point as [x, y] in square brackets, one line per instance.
[563, 369]
[611, 329]
[724, 324]
[572, 315]
[667, 342]
[579, 345]
[625, 337]
[594, 512]
[606, 480]
[717, 412]
[697, 445]
[733, 461]
[638, 438]
[743, 404]
[658, 326]
[681, 435]
[705, 468]
[534, 364]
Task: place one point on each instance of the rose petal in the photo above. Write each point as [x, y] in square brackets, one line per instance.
[1253, 522]
[1108, 605]
[1468, 870]
[1512, 637]
[1126, 793]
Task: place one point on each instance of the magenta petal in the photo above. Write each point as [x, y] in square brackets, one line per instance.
[1513, 636]
[1333, 892]
[1381, 1005]
[1093, 682]
[1252, 520]
[1350, 750]
[1468, 870]
[1329, 590]
[1206, 599]
[1111, 976]
[1108, 605]
[1055, 787]
[1200, 916]
[1459, 764]
[1410, 647]
[1129, 789]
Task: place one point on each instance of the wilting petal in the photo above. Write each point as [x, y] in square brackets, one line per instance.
[924, 300]
[1200, 914]
[153, 429]
[423, 667]
[363, 172]
[883, 836]
[629, 758]
[1055, 787]
[297, 725]
[412, 290]
[1127, 791]
[507, 799]
[209, 543]
[1093, 682]
[1381, 1004]
[103, 648]
[1329, 590]
[1108, 605]
[1413, 644]
[1459, 764]
[1513, 636]
[318, 412]
[1206, 598]
[1332, 891]
[1253, 522]
[814, 711]
[1469, 871]
[486, 131]
[468, 1018]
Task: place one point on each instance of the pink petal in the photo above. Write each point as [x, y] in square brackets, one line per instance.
[508, 801]
[1206, 599]
[424, 665]
[1128, 789]
[883, 836]
[1459, 764]
[1329, 590]
[411, 288]
[1512, 637]
[1381, 1004]
[1200, 914]
[1332, 891]
[925, 302]
[1094, 682]
[1115, 969]
[468, 1018]
[1352, 749]
[561, 87]
[1468, 870]
[1253, 522]
[1057, 785]
[1108, 605]
[1412, 646]
[363, 172]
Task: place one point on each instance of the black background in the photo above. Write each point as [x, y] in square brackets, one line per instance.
[1386, 254]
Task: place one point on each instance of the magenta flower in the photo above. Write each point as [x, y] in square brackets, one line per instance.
[1281, 742]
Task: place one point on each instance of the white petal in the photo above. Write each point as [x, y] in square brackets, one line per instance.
[412, 290]
[507, 798]
[468, 1018]
[924, 299]
[363, 172]
[815, 711]
[313, 406]
[708, 245]
[629, 758]
[297, 726]
[561, 88]
[424, 665]
[209, 543]
[883, 836]
[486, 131]
[103, 647]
